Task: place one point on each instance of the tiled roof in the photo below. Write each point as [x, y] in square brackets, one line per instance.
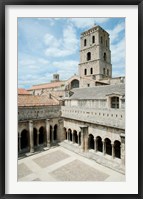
[35, 100]
[47, 85]
[22, 91]
[98, 92]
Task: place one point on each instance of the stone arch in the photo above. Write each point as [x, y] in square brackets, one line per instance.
[24, 139]
[69, 135]
[75, 137]
[50, 133]
[35, 136]
[74, 83]
[79, 135]
[99, 144]
[55, 132]
[88, 56]
[93, 39]
[91, 141]
[41, 135]
[108, 146]
[65, 134]
[117, 149]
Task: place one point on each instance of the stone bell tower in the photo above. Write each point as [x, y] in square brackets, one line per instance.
[95, 54]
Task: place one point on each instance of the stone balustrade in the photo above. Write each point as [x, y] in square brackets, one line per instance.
[108, 117]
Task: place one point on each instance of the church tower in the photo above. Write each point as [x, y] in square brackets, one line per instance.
[95, 54]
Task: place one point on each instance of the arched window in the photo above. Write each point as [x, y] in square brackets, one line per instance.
[91, 70]
[114, 102]
[84, 42]
[88, 56]
[91, 141]
[93, 39]
[117, 149]
[108, 146]
[85, 71]
[105, 57]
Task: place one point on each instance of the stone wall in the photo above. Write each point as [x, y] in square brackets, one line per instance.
[38, 112]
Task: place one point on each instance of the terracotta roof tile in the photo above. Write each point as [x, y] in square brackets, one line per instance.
[35, 100]
[22, 91]
[47, 85]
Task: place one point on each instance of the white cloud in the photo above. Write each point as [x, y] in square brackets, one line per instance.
[87, 22]
[67, 45]
[114, 34]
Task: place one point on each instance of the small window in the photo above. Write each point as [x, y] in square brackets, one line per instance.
[84, 42]
[104, 71]
[114, 102]
[101, 40]
[93, 39]
[105, 57]
[88, 85]
[88, 56]
[85, 71]
[91, 71]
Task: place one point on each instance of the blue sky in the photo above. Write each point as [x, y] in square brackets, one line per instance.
[51, 45]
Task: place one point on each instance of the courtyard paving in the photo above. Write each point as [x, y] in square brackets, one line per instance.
[60, 164]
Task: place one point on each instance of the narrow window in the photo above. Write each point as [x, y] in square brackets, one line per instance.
[85, 71]
[84, 42]
[108, 72]
[88, 56]
[91, 71]
[114, 102]
[105, 57]
[104, 71]
[88, 85]
[101, 40]
[93, 39]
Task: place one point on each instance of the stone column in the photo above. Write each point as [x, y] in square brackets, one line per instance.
[95, 145]
[82, 138]
[48, 132]
[104, 147]
[113, 151]
[123, 148]
[19, 140]
[31, 136]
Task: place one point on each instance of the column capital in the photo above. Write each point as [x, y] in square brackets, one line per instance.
[31, 121]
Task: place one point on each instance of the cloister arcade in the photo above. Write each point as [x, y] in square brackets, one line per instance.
[30, 139]
[96, 144]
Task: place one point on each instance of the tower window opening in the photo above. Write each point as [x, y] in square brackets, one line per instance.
[91, 71]
[105, 56]
[93, 39]
[107, 71]
[104, 71]
[84, 42]
[88, 56]
[85, 71]
[101, 40]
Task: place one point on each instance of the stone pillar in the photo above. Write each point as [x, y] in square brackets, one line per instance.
[113, 151]
[82, 138]
[123, 148]
[73, 139]
[104, 147]
[95, 145]
[31, 136]
[48, 132]
[19, 142]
